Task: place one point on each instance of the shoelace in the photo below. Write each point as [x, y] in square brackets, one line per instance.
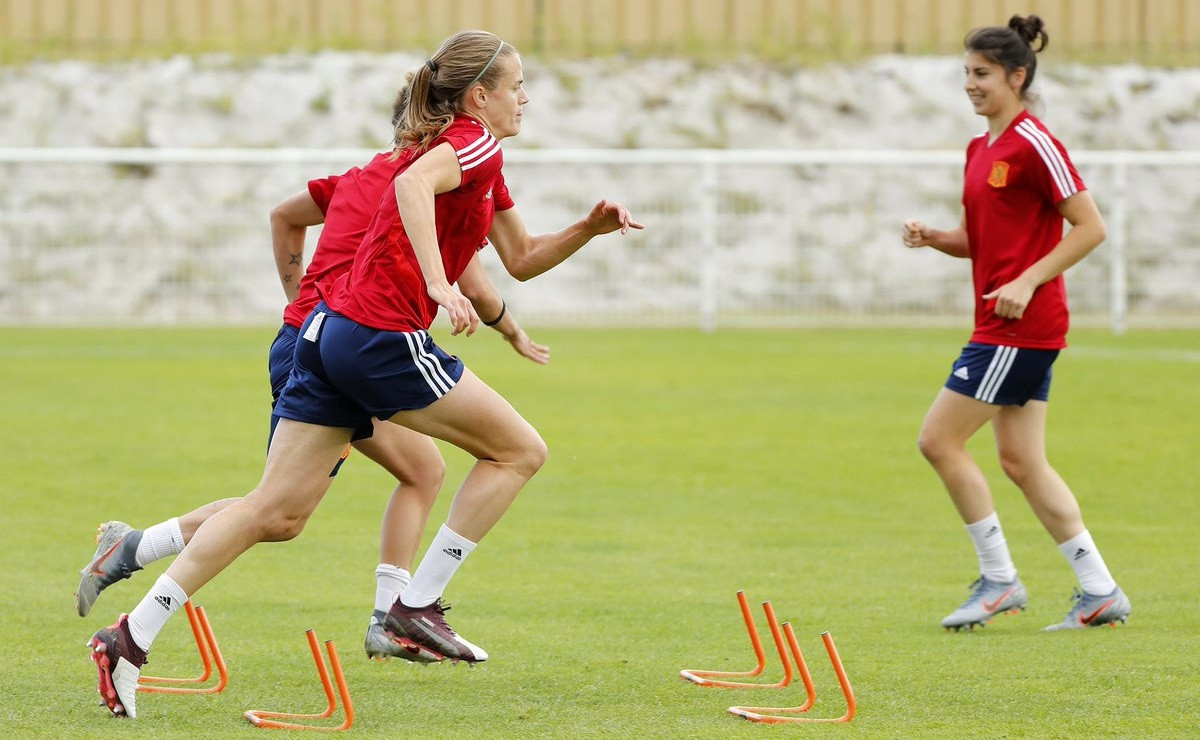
[975, 593]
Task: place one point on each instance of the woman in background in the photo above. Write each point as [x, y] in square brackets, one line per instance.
[1018, 186]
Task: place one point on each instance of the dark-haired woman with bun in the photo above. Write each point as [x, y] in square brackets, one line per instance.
[1018, 186]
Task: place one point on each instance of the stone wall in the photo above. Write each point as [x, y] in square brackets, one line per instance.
[83, 243]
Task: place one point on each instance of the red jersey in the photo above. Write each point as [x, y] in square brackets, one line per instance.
[1011, 191]
[385, 288]
[348, 202]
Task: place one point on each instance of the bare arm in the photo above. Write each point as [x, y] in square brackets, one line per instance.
[1087, 232]
[526, 256]
[481, 292]
[437, 171]
[290, 220]
[952, 242]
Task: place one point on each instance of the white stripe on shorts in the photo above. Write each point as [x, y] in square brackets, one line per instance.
[439, 371]
[997, 371]
[435, 377]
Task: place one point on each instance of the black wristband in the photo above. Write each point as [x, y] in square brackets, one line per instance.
[493, 322]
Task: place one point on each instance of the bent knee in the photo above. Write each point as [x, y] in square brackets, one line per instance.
[531, 455]
[429, 475]
[281, 527]
[1022, 471]
[432, 476]
[933, 448]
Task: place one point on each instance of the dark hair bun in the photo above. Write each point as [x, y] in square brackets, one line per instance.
[1030, 28]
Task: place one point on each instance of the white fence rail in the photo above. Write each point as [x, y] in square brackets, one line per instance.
[734, 237]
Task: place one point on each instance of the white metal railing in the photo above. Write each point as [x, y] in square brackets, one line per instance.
[702, 182]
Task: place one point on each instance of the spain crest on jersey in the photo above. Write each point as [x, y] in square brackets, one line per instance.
[999, 176]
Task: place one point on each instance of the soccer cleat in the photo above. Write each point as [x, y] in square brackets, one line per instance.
[1091, 610]
[426, 626]
[115, 559]
[987, 599]
[381, 646]
[119, 661]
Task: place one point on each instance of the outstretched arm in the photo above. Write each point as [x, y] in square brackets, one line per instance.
[952, 242]
[479, 289]
[526, 256]
[290, 220]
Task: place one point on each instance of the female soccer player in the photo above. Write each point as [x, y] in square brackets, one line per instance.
[1018, 186]
[345, 204]
[365, 353]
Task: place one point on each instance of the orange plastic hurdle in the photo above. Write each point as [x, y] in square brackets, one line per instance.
[772, 715]
[270, 720]
[206, 643]
[716, 679]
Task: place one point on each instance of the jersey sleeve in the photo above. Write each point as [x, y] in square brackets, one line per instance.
[322, 190]
[478, 152]
[1054, 174]
[500, 194]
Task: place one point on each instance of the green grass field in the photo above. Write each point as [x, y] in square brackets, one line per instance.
[683, 467]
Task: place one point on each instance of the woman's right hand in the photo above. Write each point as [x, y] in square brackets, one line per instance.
[916, 234]
[458, 308]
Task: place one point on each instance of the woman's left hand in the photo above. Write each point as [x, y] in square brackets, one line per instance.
[607, 217]
[528, 348]
[1011, 299]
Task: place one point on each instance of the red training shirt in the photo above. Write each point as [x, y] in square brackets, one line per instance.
[385, 288]
[348, 202]
[1011, 192]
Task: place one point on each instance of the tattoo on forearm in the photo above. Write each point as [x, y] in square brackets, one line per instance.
[295, 259]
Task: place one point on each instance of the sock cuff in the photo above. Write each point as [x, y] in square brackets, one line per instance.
[983, 526]
[159, 541]
[455, 538]
[176, 533]
[1083, 539]
[168, 587]
[1079, 546]
[395, 571]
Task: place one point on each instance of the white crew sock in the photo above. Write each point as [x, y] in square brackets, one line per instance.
[148, 618]
[160, 541]
[447, 551]
[390, 582]
[995, 562]
[1094, 578]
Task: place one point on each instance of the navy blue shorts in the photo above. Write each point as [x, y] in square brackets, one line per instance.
[345, 374]
[281, 358]
[1003, 376]
[279, 366]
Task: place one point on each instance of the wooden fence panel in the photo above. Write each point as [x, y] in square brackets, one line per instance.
[1091, 30]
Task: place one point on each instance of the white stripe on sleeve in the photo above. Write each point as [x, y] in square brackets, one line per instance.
[1051, 157]
[478, 151]
[480, 157]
